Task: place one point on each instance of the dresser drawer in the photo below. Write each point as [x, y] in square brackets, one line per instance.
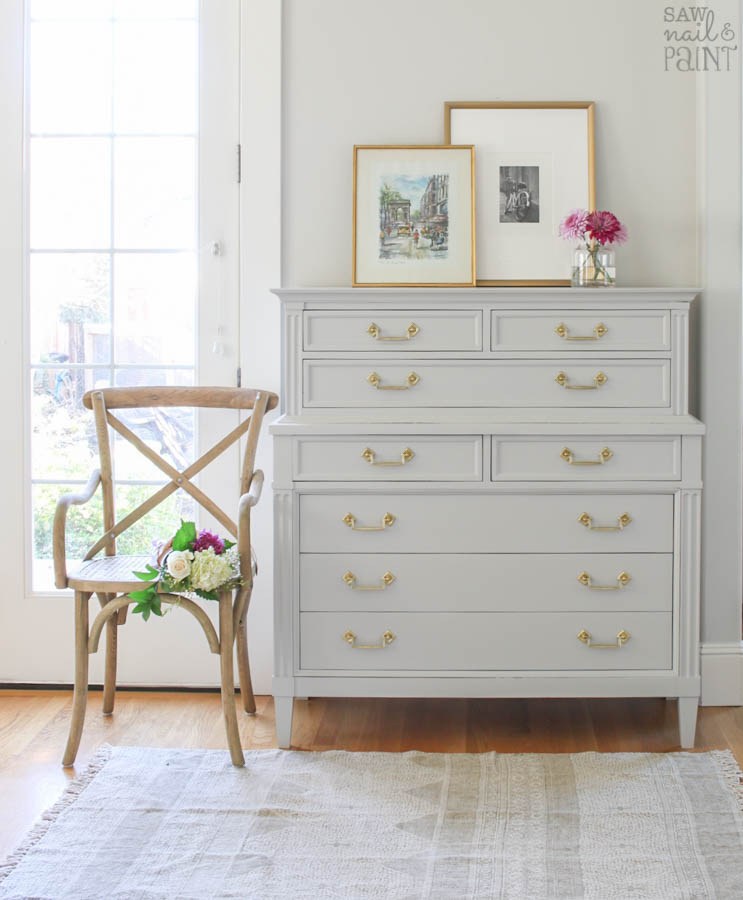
[476, 523]
[554, 383]
[386, 330]
[375, 458]
[484, 641]
[480, 582]
[573, 330]
[570, 458]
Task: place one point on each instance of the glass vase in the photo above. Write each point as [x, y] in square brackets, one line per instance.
[593, 266]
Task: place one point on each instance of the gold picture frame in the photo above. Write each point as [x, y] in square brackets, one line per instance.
[413, 215]
[552, 143]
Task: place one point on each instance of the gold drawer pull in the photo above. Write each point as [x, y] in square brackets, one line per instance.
[410, 333]
[598, 332]
[387, 638]
[385, 581]
[622, 522]
[622, 638]
[623, 579]
[376, 382]
[350, 520]
[405, 456]
[599, 379]
[604, 456]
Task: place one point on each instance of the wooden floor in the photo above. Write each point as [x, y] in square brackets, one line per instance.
[33, 730]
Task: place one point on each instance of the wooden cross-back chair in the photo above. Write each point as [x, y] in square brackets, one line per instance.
[110, 577]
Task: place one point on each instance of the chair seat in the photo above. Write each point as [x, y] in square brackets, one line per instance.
[109, 573]
[114, 574]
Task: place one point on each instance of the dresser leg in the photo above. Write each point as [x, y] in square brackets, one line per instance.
[687, 711]
[284, 708]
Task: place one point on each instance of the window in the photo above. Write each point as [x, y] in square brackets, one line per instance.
[115, 169]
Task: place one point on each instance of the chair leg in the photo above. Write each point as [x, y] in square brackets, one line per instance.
[243, 664]
[109, 678]
[80, 696]
[226, 658]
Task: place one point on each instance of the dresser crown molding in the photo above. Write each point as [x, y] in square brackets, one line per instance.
[486, 492]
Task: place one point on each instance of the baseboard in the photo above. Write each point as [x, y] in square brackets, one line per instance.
[722, 674]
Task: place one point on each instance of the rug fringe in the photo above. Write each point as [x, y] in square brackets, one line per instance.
[731, 773]
[48, 818]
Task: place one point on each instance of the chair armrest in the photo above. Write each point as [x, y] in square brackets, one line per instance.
[248, 500]
[252, 496]
[60, 525]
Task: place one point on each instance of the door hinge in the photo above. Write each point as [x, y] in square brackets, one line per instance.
[239, 377]
[239, 163]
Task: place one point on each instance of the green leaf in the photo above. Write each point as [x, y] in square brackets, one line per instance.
[148, 601]
[207, 595]
[185, 536]
[149, 575]
[228, 544]
[144, 596]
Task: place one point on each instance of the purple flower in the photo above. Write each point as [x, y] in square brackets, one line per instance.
[574, 225]
[208, 539]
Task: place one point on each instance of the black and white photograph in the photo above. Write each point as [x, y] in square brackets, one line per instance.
[519, 194]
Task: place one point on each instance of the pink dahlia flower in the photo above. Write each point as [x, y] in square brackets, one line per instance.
[605, 228]
[208, 539]
[574, 225]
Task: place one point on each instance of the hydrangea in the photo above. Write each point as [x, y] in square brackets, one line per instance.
[210, 570]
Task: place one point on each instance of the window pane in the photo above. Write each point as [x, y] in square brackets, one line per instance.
[156, 9]
[158, 525]
[71, 77]
[70, 193]
[136, 377]
[156, 92]
[168, 432]
[154, 200]
[71, 9]
[70, 307]
[154, 308]
[84, 527]
[63, 433]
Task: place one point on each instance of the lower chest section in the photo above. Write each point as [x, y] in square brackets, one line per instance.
[430, 581]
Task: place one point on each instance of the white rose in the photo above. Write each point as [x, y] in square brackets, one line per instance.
[178, 564]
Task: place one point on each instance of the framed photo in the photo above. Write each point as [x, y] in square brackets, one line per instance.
[413, 216]
[535, 162]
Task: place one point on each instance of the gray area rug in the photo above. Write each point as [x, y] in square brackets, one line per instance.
[178, 824]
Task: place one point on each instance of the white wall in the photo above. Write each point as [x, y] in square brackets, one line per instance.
[668, 163]
[380, 72]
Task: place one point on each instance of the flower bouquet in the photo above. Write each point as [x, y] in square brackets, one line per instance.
[593, 264]
[189, 563]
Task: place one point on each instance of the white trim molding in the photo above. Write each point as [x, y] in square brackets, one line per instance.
[722, 674]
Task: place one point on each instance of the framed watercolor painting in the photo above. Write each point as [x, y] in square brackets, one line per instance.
[413, 216]
[535, 162]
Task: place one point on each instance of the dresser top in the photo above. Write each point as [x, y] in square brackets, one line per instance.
[548, 296]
